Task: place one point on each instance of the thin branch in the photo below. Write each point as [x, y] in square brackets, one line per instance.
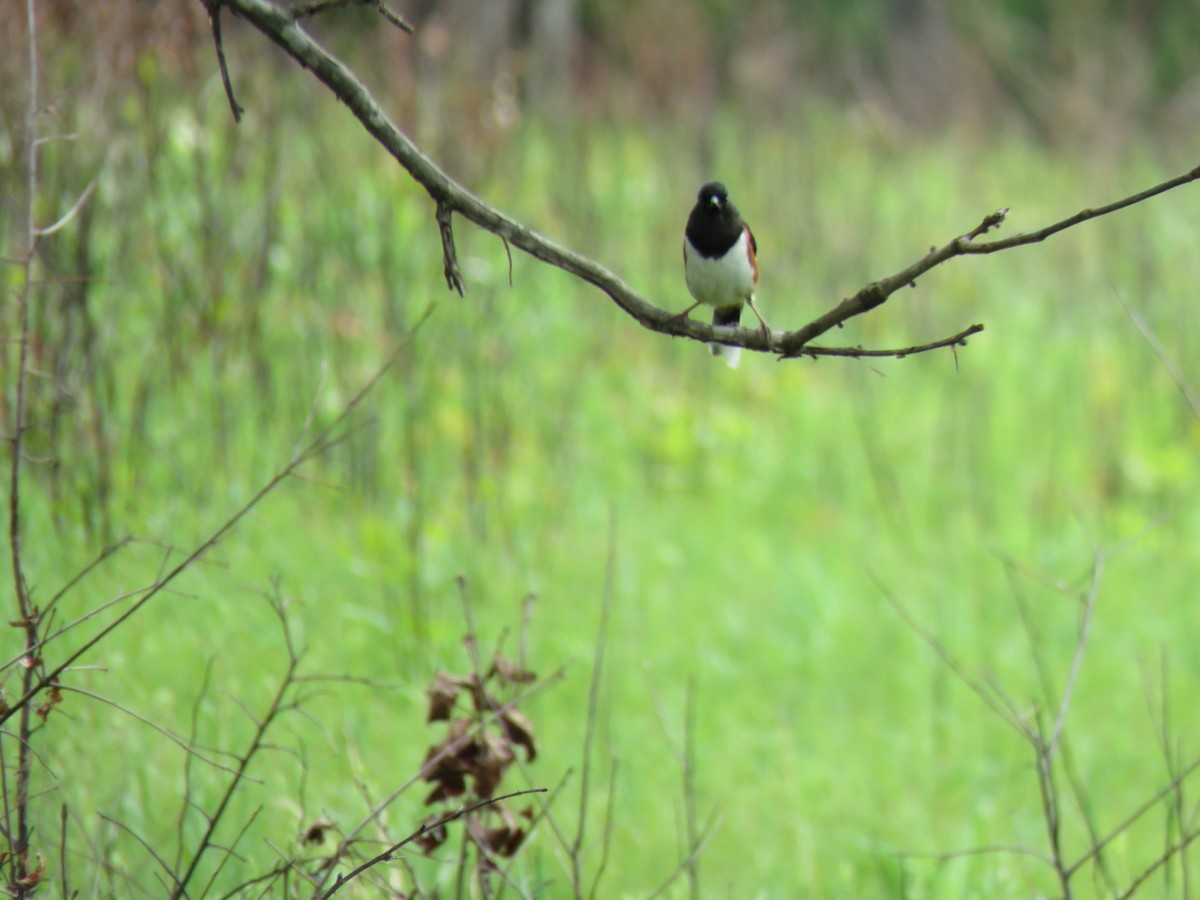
[1085, 620]
[454, 276]
[1137, 813]
[955, 340]
[985, 850]
[992, 699]
[1157, 864]
[214, 17]
[70, 213]
[276, 707]
[316, 7]
[165, 732]
[593, 706]
[693, 855]
[145, 846]
[27, 615]
[388, 854]
[1164, 357]
[606, 843]
[62, 854]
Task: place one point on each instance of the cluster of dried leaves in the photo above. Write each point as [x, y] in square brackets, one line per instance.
[480, 745]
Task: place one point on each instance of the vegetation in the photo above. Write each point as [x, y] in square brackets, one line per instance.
[753, 534]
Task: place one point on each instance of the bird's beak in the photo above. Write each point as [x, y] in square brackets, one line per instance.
[715, 201]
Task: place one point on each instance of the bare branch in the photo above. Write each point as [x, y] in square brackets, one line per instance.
[70, 213]
[214, 17]
[955, 340]
[316, 7]
[454, 277]
[1164, 357]
[390, 852]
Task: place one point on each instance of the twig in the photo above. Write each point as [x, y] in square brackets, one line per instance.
[454, 277]
[593, 705]
[985, 850]
[692, 868]
[304, 10]
[62, 855]
[606, 843]
[1085, 620]
[145, 846]
[214, 17]
[1137, 813]
[274, 709]
[186, 746]
[991, 699]
[1157, 864]
[696, 850]
[386, 855]
[955, 340]
[1164, 357]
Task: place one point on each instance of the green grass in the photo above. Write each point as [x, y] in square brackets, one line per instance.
[759, 515]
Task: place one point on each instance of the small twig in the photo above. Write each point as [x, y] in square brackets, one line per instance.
[62, 855]
[386, 855]
[257, 742]
[145, 846]
[986, 850]
[1048, 792]
[1137, 813]
[989, 698]
[304, 10]
[606, 843]
[70, 213]
[1085, 620]
[1161, 861]
[955, 340]
[214, 17]
[454, 277]
[1164, 357]
[689, 788]
[184, 745]
[702, 842]
[593, 705]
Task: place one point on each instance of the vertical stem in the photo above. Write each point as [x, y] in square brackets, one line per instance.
[20, 847]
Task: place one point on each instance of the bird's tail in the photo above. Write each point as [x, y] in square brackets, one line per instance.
[727, 315]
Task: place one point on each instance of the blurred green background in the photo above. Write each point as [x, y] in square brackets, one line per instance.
[227, 282]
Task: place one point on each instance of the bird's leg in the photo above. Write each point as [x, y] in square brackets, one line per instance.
[683, 315]
[766, 329]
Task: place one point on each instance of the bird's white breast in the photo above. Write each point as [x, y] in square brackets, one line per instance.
[723, 281]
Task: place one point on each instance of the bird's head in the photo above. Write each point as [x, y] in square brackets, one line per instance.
[713, 196]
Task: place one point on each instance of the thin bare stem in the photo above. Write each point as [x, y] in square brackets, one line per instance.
[593, 707]
[274, 709]
[390, 852]
[1085, 621]
[1164, 357]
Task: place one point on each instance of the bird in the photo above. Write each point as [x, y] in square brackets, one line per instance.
[720, 262]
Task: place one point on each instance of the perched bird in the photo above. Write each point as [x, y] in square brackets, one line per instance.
[720, 263]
